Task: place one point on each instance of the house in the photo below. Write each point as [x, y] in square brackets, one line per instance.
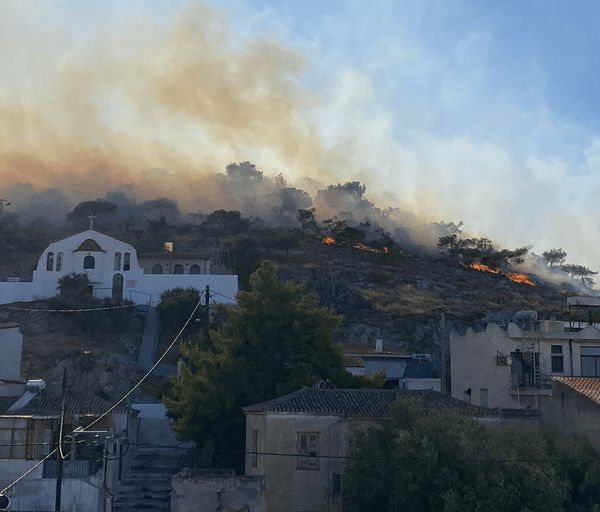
[115, 270]
[11, 341]
[402, 370]
[511, 366]
[573, 409]
[29, 430]
[299, 442]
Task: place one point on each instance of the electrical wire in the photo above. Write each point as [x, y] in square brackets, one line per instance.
[119, 402]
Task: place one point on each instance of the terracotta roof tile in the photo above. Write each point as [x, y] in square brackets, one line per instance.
[42, 406]
[354, 362]
[368, 349]
[364, 403]
[587, 386]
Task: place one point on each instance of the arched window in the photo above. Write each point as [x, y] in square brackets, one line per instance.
[157, 269]
[50, 261]
[117, 261]
[59, 258]
[195, 269]
[89, 262]
[178, 269]
[127, 262]
[117, 287]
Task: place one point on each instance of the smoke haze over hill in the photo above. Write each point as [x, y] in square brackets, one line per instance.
[147, 101]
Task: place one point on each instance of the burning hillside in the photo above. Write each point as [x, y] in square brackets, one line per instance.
[515, 277]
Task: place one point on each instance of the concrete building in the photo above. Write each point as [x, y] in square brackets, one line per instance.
[11, 342]
[115, 270]
[511, 366]
[402, 370]
[573, 409]
[299, 442]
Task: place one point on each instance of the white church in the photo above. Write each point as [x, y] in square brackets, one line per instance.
[115, 270]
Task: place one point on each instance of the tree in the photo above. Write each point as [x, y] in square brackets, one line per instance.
[580, 271]
[555, 257]
[223, 223]
[446, 462]
[176, 305]
[278, 339]
[80, 216]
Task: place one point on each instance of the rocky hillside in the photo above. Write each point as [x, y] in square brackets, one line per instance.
[398, 296]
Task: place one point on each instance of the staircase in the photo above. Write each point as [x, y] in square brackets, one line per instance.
[146, 486]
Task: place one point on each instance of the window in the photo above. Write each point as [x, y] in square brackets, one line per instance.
[89, 262]
[59, 258]
[195, 269]
[483, 397]
[50, 261]
[307, 447]
[556, 358]
[522, 370]
[157, 269]
[126, 262]
[117, 261]
[254, 448]
[178, 269]
[590, 361]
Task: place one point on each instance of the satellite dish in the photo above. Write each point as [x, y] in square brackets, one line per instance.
[4, 502]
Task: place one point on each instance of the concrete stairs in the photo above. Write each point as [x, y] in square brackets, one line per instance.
[146, 486]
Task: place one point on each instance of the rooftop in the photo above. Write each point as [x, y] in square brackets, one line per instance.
[368, 349]
[42, 406]
[362, 403]
[587, 386]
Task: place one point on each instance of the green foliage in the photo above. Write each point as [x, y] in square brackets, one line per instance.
[79, 216]
[176, 305]
[555, 257]
[84, 311]
[277, 340]
[450, 463]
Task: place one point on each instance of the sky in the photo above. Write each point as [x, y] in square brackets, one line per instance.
[474, 111]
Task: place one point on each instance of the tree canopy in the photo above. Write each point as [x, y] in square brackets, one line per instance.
[277, 340]
[446, 462]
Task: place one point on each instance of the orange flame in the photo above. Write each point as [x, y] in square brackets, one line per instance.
[513, 276]
[331, 241]
[328, 240]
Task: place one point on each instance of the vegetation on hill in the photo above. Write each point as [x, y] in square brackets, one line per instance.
[275, 341]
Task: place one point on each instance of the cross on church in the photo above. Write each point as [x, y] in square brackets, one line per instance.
[92, 217]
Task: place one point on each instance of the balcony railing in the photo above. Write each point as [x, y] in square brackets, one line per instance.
[530, 380]
[71, 468]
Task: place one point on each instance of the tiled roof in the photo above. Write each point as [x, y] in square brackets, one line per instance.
[354, 362]
[364, 403]
[89, 245]
[368, 349]
[587, 386]
[42, 406]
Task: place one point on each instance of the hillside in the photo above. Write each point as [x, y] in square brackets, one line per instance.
[398, 295]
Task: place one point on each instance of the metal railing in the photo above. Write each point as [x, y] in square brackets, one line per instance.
[71, 468]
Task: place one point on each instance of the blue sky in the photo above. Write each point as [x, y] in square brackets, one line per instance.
[486, 112]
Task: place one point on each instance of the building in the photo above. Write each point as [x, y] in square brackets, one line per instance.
[511, 366]
[11, 341]
[573, 409]
[115, 270]
[299, 442]
[29, 429]
[402, 370]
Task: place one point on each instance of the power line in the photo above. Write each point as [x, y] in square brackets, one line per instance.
[119, 402]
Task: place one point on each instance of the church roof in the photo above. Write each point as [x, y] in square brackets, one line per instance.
[89, 245]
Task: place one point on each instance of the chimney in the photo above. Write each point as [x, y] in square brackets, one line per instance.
[379, 346]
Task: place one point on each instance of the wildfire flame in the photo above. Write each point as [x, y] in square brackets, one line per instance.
[513, 276]
[331, 241]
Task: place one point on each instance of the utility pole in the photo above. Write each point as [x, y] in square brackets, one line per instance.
[59, 459]
[206, 310]
[443, 347]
